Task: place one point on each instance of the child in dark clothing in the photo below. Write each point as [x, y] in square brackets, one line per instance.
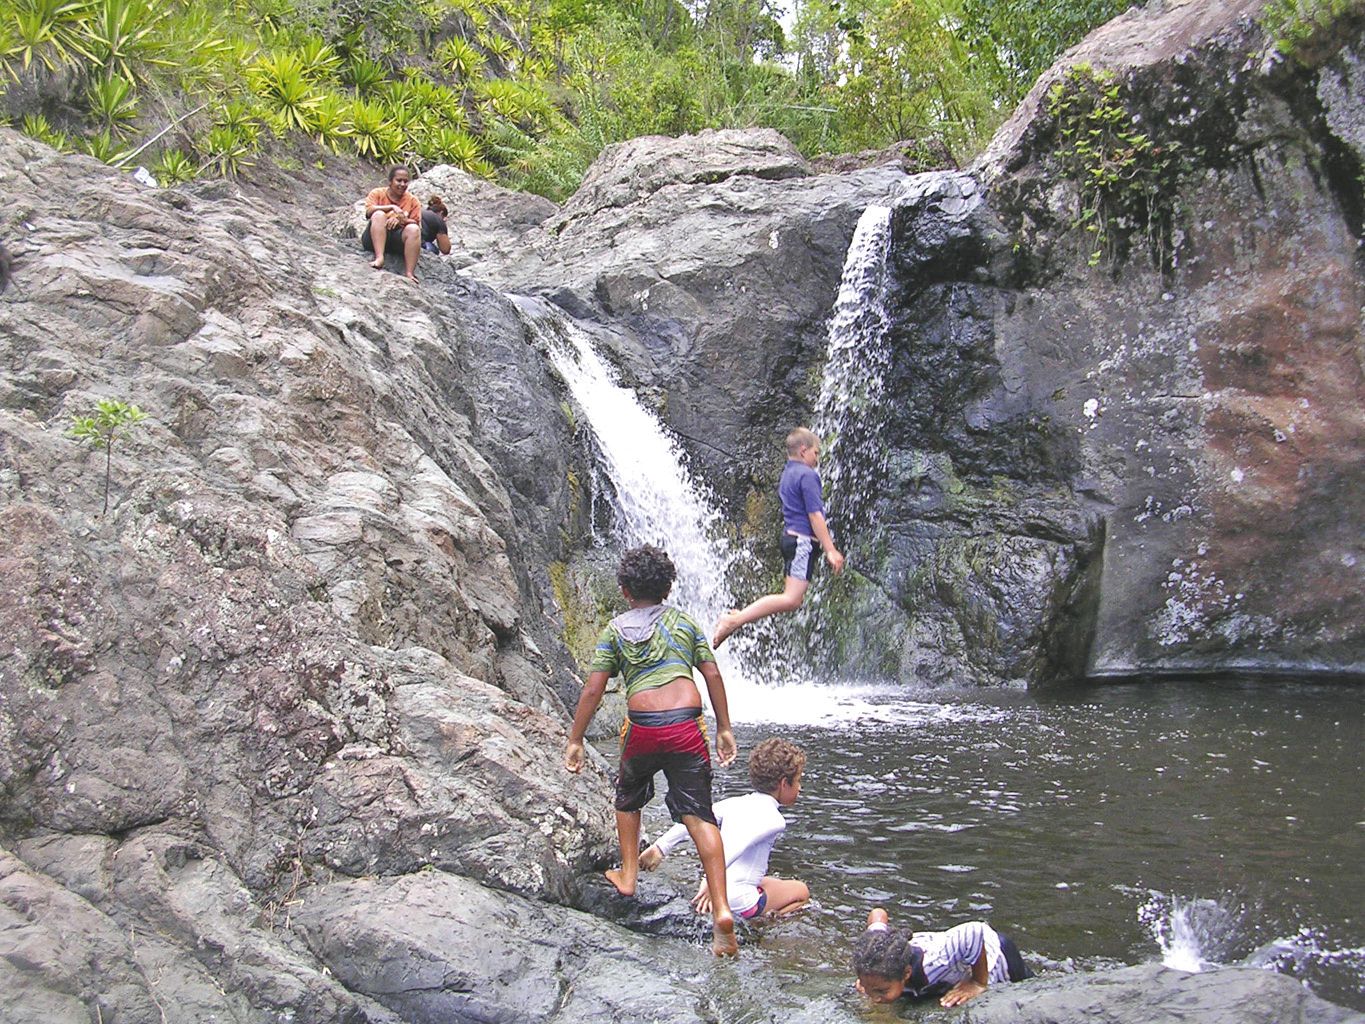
[803, 527]
[654, 648]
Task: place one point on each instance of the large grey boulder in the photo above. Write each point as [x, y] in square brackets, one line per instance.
[1152, 994]
[435, 948]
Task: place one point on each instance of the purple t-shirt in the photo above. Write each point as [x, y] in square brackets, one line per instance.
[799, 490]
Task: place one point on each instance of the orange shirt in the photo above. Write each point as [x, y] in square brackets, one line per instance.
[411, 208]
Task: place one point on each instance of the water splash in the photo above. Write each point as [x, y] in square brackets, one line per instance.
[1194, 934]
[1312, 956]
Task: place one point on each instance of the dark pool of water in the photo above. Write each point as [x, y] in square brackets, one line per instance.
[1081, 825]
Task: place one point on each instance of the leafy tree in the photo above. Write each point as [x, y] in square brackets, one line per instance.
[112, 421]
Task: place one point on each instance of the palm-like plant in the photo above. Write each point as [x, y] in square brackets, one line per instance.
[332, 121]
[515, 101]
[452, 146]
[364, 75]
[373, 134]
[46, 32]
[225, 151]
[319, 60]
[460, 58]
[112, 101]
[282, 82]
[105, 147]
[240, 118]
[174, 167]
[475, 10]
[38, 127]
[123, 37]
[498, 45]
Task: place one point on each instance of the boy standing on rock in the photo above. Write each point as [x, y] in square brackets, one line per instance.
[803, 527]
[654, 648]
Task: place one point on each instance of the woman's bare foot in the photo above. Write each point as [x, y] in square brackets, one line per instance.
[617, 878]
[723, 936]
[377, 263]
[411, 277]
[725, 627]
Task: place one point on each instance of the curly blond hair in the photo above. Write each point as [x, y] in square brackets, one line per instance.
[772, 761]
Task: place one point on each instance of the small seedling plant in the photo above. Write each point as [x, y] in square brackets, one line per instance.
[112, 421]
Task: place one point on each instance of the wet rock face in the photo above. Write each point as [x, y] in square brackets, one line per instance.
[1213, 411]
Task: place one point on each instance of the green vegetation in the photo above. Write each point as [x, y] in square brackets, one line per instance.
[1297, 26]
[586, 601]
[528, 91]
[112, 421]
[1126, 179]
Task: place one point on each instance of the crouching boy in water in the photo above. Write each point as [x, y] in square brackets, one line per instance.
[749, 828]
[654, 648]
[957, 964]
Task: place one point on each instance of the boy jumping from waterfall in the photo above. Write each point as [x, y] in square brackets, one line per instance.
[803, 527]
[654, 648]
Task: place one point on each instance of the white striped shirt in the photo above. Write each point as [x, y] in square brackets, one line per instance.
[949, 956]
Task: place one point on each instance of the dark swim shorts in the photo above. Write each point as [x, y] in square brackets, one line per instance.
[393, 242]
[679, 751]
[799, 555]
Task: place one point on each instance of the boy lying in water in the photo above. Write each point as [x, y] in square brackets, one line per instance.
[957, 965]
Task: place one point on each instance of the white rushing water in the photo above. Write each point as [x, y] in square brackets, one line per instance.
[856, 362]
[848, 413]
[1193, 934]
[657, 500]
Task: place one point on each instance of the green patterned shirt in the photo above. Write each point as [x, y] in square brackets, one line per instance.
[671, 649]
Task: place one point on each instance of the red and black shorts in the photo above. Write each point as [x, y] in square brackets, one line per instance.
[672, 742]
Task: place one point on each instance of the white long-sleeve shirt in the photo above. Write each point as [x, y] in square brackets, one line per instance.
[948, 956]
[749, 827]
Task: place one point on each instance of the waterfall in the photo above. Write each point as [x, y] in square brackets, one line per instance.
[658, 501]
[856, 363]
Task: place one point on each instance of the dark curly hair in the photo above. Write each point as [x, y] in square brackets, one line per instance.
[647, 572]
[772, 761]
[887, 953]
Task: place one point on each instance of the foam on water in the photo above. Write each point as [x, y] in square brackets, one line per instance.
[820, 705]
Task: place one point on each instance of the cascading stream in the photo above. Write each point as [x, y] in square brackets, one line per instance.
[856, 363]
[656, 500]
[847, 415]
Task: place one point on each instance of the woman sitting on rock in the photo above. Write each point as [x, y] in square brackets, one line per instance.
[435, 236]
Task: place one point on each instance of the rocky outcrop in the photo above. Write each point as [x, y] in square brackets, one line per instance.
[305, 641]
[1152, 993]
